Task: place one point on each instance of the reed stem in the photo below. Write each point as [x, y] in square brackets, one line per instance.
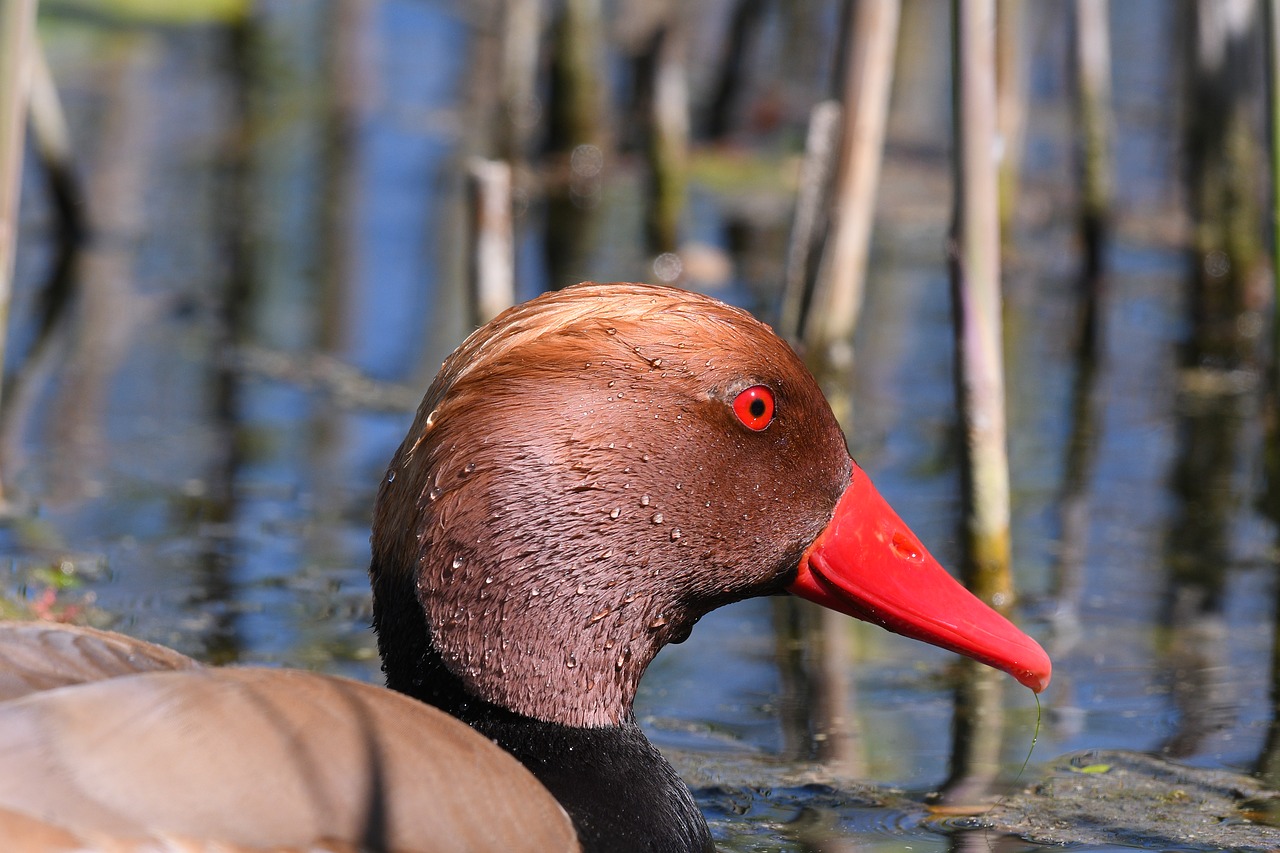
[975, 278]
[872, 46]
[17, 40]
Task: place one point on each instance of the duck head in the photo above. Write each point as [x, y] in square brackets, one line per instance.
[595, 470]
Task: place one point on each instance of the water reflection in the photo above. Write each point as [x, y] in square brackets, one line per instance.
[977, 740]
[817, 706]
[1195, 657]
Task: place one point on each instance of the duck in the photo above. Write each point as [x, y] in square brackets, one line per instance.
[588, 475]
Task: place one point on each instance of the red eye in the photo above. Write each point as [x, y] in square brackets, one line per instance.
[754, 407]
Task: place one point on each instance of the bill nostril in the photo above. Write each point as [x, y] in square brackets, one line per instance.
[906, 547]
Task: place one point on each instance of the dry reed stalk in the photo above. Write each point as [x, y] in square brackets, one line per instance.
[1224, 158]
[1011, 101]
[1092, 51]
[873, 38]
[52, 141]
[521, 30]
[975, 278]
[577, 99]
[809, 220]
[492, 242]
[668, 146]
[17, 39]
[1272, 12]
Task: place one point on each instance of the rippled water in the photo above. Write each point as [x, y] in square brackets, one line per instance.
[217, 498]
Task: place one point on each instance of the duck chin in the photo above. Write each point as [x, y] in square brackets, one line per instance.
[516, 670]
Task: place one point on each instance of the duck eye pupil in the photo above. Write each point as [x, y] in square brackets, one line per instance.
[754, 407]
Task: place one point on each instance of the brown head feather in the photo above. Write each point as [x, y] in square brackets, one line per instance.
[575, 491]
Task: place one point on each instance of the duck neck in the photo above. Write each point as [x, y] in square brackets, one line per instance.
[620, 792]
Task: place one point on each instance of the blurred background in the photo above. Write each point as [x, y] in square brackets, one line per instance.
[277, 217]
